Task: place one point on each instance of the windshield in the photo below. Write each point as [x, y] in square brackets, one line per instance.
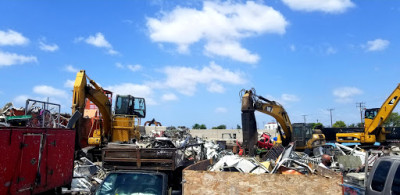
[132, 184]
[371, 113]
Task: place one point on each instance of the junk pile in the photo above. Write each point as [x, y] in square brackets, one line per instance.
[87, 175]
[286, 162]
[35, 114]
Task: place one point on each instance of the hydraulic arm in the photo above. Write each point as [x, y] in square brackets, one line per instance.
[374, 119]
[95, 94]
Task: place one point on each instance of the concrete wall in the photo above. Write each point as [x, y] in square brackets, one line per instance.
[210, 134]
[223, 134]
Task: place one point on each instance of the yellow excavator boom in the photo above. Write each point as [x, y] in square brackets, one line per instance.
[374, 119]
[95, 94]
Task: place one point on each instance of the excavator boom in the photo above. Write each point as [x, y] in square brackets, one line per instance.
[374, 119]
[384, 112]
[95, 94]
[252, 102]
[304, 136]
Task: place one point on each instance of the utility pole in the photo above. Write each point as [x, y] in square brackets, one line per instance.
[360, 105]
[304, 115]
[330, 111]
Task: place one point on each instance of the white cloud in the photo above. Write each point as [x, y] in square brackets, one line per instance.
[70, 68]
[376, 45]
[186, 79]
[221, 110]
[345, 94]
[131, 67]
[220, 24]
[330, 50]
[119, 65]
[135, 90]
[216, 88]
[112, 52]
[48, 47]
[69, 84]
[11, 38]
[169, 97]
[98, 40]
[327, 6]
[49, 91]
[9, 59]
[232, 50]
[289, 98]
[134, 68]
[292, 47]
[20, 100]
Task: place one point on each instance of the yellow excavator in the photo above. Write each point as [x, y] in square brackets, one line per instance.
[373, 123]
[301, 133]
[122, 126]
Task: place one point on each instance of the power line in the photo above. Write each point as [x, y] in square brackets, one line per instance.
[360, 105]
[330, 111]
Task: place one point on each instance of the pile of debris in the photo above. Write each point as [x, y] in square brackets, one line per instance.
[87, 175]
[287, 162]
[35, 114]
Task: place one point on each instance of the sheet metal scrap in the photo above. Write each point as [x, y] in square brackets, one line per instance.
[273, 153]
[86, 176]
[233, 163]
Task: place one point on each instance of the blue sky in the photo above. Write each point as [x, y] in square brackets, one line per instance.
[190, 59]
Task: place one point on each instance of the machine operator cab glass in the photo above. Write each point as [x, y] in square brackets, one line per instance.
[371, 113]
[129, 105]
[301, 133]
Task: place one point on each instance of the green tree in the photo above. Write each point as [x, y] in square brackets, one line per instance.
[198, 126]
[220, 127]
[393, 120]
[317, 125]
[238, 127]
[352, 125]
[339, 124]
[360, 125]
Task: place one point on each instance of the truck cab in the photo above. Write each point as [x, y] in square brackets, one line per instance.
[384, 177]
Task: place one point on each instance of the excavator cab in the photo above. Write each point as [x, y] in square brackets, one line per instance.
[371, 113]
[129, 105]
[301, 134]
[129, 111]
[306, 137]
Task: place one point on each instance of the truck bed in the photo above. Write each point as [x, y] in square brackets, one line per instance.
[130, 157]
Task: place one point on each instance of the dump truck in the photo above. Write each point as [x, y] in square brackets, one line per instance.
[38, 154]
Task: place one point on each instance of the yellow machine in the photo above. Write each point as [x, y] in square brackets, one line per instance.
[374, 119]
[300, 133]
[123, 126]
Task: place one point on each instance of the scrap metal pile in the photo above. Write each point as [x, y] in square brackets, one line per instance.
[35, 114]
[87, 175]
[285, 160]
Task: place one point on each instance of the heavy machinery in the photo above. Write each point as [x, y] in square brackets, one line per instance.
[122, 126]
[152, 122]
[300, 133]
[373, 123]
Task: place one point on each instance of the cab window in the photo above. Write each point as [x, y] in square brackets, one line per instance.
[396, 182]
[379, 179]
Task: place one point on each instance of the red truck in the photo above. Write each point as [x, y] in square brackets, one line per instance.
[35, 159]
